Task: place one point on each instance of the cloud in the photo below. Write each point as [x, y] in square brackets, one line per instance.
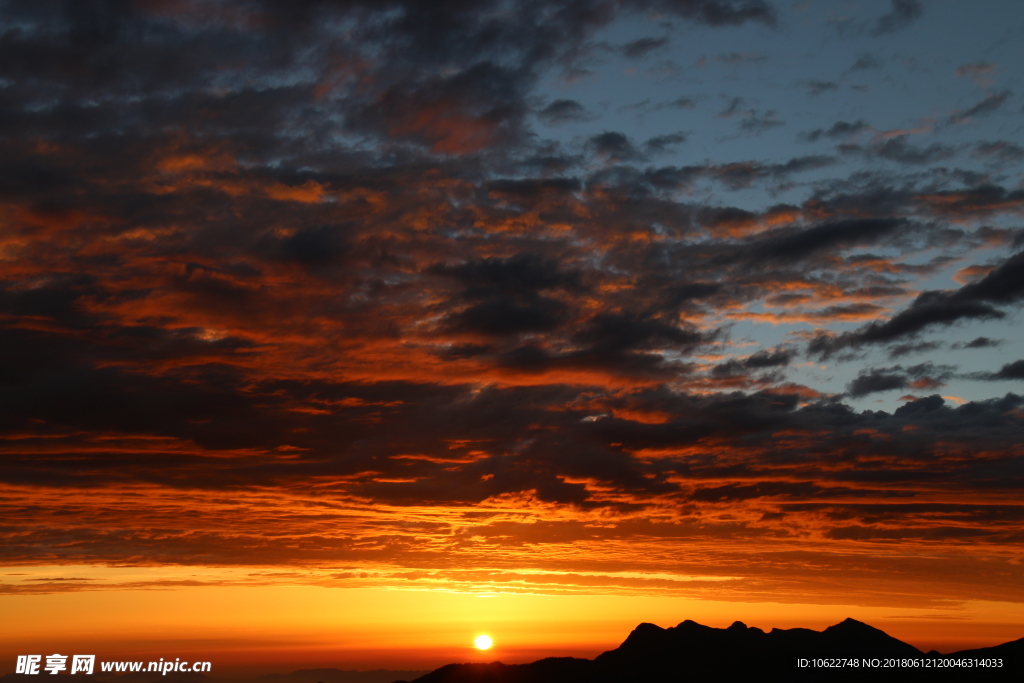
[1000, 151]
[345, 298]
[980, 343]
[679, 103]
[818, 87]
[614, 147]
[477, 108]
[899, 350]
[1003, 285]
[898, 149]
[721, 12]
[876, 381]
[739, 175]
[925, 376]
[563, 111]
[792, 245]
[640, 48]
[986, 106]
[664, 143]
[902, 15]
[757, 123]
[750, 120]
[758, 361]
[838, 130]
[1010, 371]
[977, 71]
[865, 62]
[769, 359]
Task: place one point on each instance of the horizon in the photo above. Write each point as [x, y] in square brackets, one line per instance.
[265, 672]
[338, 333]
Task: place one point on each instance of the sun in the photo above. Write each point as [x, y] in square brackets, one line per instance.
[483, 642]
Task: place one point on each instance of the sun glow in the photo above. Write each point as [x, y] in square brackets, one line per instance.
[483, 642]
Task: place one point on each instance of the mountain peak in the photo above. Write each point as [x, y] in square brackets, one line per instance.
[648, 627]
[644, 635]
[644, 631]
[851, 635]
[850, 626]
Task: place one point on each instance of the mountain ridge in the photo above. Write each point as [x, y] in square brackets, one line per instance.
[847, 651]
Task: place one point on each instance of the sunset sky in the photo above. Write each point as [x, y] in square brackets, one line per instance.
[337, 333]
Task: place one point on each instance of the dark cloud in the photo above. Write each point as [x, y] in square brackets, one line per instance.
[613, 333]
[322, 244]
[523, 274]
[925, 376]
[900, 150]
[431, 416]
[563, 111]
[1013, 370]
[818, 87]
[759, 361]
[840, 129]
[900, 350]
[921, 407]
[980, 343]
[479, 107]
[1001, 151]
[623, 344]
[640, 48]
[490, 60]
[504, 295]
[737, 176]
[734, 108]
[614, 147]
[866, 62]
[680, 103]
[769, 359]
[720, 12]
[758, 122]
[1004, 285]
[902, 15]
[733, 492]
[265, 262]
[793, 245]
[503, 317]
[664, 143]
[985, 106]
[930, 308]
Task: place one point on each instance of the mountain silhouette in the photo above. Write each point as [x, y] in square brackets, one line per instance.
[697, 653]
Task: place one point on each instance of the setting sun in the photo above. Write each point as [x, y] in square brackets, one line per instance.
[483, 642]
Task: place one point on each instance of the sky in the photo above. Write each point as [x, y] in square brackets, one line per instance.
[338, 333]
